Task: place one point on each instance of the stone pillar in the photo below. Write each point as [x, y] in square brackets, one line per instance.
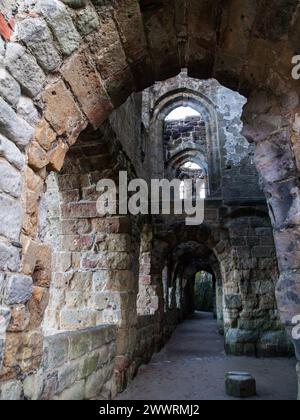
[219, 308]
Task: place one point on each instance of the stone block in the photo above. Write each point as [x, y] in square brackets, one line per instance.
[11, 217]
[60, 21]
[240, 385]
[57, 157]
[10, 259]
[80, 344]
[56, 349]
[37, 156]
[44, 135]
[14, 127]
[94, 384]
[75, 393]
[275, 344]
[11, 391]
[88, 365]
[27, 110]
[87, 20]
[33, 385]
[75, 3]
[42, 274]
[18, 289]
[233, 301]
[5, 315]
[98, 337]
[62, 112]
[24, 69]
[238, 341]
[87, 86]
[2, 347]
[24, 350]
[10, 179]
[36, 35]
[11, 153]
[72, 319]
[2, 47]
[50, 386]
[19, 318]
[67, 375]
[9, 88]
[37, 305]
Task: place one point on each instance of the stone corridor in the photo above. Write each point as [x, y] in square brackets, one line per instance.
[193, 364]
[146, 145]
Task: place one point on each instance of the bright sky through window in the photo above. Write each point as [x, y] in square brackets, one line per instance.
[181, 113]
[191, 166]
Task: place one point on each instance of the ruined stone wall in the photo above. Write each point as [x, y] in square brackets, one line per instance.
[246, 275]
[250, 275]
[180, 134]
[228, 155]
[76, 365]
[89, 59]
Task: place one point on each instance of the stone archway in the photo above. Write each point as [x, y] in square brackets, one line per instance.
[89, 60]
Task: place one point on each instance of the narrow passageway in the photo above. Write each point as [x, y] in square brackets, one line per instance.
[193, 365]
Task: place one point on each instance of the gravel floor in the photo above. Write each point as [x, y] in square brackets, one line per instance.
[193, 366]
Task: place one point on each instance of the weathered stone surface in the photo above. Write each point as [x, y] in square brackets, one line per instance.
[176, 36]
[37, 157]
[36, 35]
[11, 391]
[14, 127]
[239, 341]
[67, 375]
[42, 274]
[57, 157]
[9, 257]
[87, 21]
[19, 318]
[75, 3]
[44, 135]
[24, 69]
[88, 366]
[33, 385]
[10, 179]
[94, 384]
[60, 21]
[9, 88]
[5, 315]
[18, 289]
[2, 346]
[10, 152]
[75, 393]
[24, 350]
[233, 301]
[72, 319]
[37, 306]
[276, 344]
[56, 351]
[27, 111]
[87, 86]
[2, 47]
[66, 118]
[240, 385]
[11, 217]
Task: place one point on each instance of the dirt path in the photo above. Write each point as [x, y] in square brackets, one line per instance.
[193, 365]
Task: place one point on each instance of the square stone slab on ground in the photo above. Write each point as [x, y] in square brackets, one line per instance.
[240, 385]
